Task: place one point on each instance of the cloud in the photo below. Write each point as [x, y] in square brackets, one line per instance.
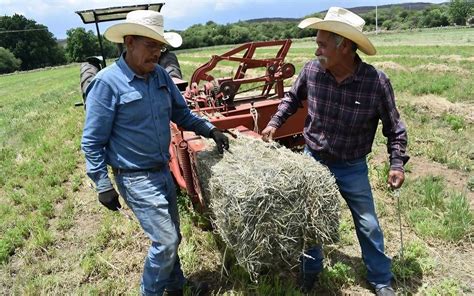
[205, 8]
[59, 16]
[173, 9]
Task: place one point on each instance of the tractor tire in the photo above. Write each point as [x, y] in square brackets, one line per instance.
[88, 72]
[169, 61]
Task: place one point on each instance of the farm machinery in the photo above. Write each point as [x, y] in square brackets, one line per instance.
[242, 103]
[233, 104]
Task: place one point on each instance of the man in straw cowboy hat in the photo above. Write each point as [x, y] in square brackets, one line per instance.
[346, 99]
[129, 108]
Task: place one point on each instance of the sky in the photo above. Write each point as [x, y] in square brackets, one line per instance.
[59, 15]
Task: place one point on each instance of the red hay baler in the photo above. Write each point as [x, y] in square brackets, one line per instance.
[230, 107]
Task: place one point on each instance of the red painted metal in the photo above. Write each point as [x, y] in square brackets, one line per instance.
[220, 102]
[183, 157]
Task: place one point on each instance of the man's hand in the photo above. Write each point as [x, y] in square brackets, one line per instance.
[395, 179]
[222, 142]
[110, 199]
[267, 133]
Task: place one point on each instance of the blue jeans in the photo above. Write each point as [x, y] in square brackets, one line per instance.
[353, 182]
[152, 198]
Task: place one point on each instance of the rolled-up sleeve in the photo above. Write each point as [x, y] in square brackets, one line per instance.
[292, 100]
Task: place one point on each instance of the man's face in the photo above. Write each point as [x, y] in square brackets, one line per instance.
[327, 51]
[144, 53]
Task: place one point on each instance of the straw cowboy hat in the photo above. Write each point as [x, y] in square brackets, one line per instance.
[147, 23]
[342, 22]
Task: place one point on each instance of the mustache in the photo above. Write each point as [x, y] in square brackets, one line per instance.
[154, 59]
[322, 59]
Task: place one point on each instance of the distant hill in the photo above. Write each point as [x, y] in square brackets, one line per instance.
[273, 19]
[359, 10]
[410, 6]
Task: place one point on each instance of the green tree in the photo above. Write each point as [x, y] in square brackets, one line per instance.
[8, 62]
[239, 34]
[81, 44]
[32, 43]
[111, 50]
[434, 18]
[460, 11]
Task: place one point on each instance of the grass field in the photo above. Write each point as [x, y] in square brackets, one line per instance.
[55, 238]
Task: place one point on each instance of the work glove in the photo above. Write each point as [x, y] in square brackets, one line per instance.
[110, 199]
[222, 142]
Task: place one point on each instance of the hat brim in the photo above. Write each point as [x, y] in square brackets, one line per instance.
[116, 33]
[342, 29]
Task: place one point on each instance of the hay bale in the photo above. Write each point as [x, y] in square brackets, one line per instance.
[268, 203]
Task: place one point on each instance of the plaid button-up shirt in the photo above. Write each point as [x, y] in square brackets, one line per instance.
[343, 117]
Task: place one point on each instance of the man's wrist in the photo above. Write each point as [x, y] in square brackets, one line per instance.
[396, 164]
[104, 185]
[274, 122]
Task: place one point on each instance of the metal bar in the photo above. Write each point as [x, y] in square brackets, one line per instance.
[104, 64]
[396, 194]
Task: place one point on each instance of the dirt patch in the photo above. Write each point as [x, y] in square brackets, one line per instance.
[441, 68]
[452, 57]
[449, 58]
[437, 105]
[188, 63]
[456, 179]
[431, 67]
[422, 167]
[390, 66]
[203, 54]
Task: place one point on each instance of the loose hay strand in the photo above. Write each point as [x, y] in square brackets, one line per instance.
[268, 203]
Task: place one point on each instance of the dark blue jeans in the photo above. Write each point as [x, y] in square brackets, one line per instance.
[353, 182]
[152, 198]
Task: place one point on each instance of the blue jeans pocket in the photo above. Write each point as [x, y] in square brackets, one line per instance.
[131, 179]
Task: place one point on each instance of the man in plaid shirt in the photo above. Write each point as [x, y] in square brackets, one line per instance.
[346, 99]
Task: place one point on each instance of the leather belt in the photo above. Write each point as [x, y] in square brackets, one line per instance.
[118, 171]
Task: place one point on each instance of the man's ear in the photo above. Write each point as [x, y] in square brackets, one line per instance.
[128, 40]
[346, 46]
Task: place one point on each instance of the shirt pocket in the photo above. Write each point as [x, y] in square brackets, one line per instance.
[131, 106]
[129, 97]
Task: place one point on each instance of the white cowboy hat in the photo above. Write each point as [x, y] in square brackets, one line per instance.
[342, 22]
[147, 23]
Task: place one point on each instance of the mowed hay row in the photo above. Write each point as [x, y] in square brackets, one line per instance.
[268, 203]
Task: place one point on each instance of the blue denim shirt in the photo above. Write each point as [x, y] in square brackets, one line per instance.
[128, 118]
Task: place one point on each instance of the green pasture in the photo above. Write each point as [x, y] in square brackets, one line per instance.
[56, 239]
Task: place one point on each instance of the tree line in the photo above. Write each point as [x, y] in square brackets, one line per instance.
[26, 45]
